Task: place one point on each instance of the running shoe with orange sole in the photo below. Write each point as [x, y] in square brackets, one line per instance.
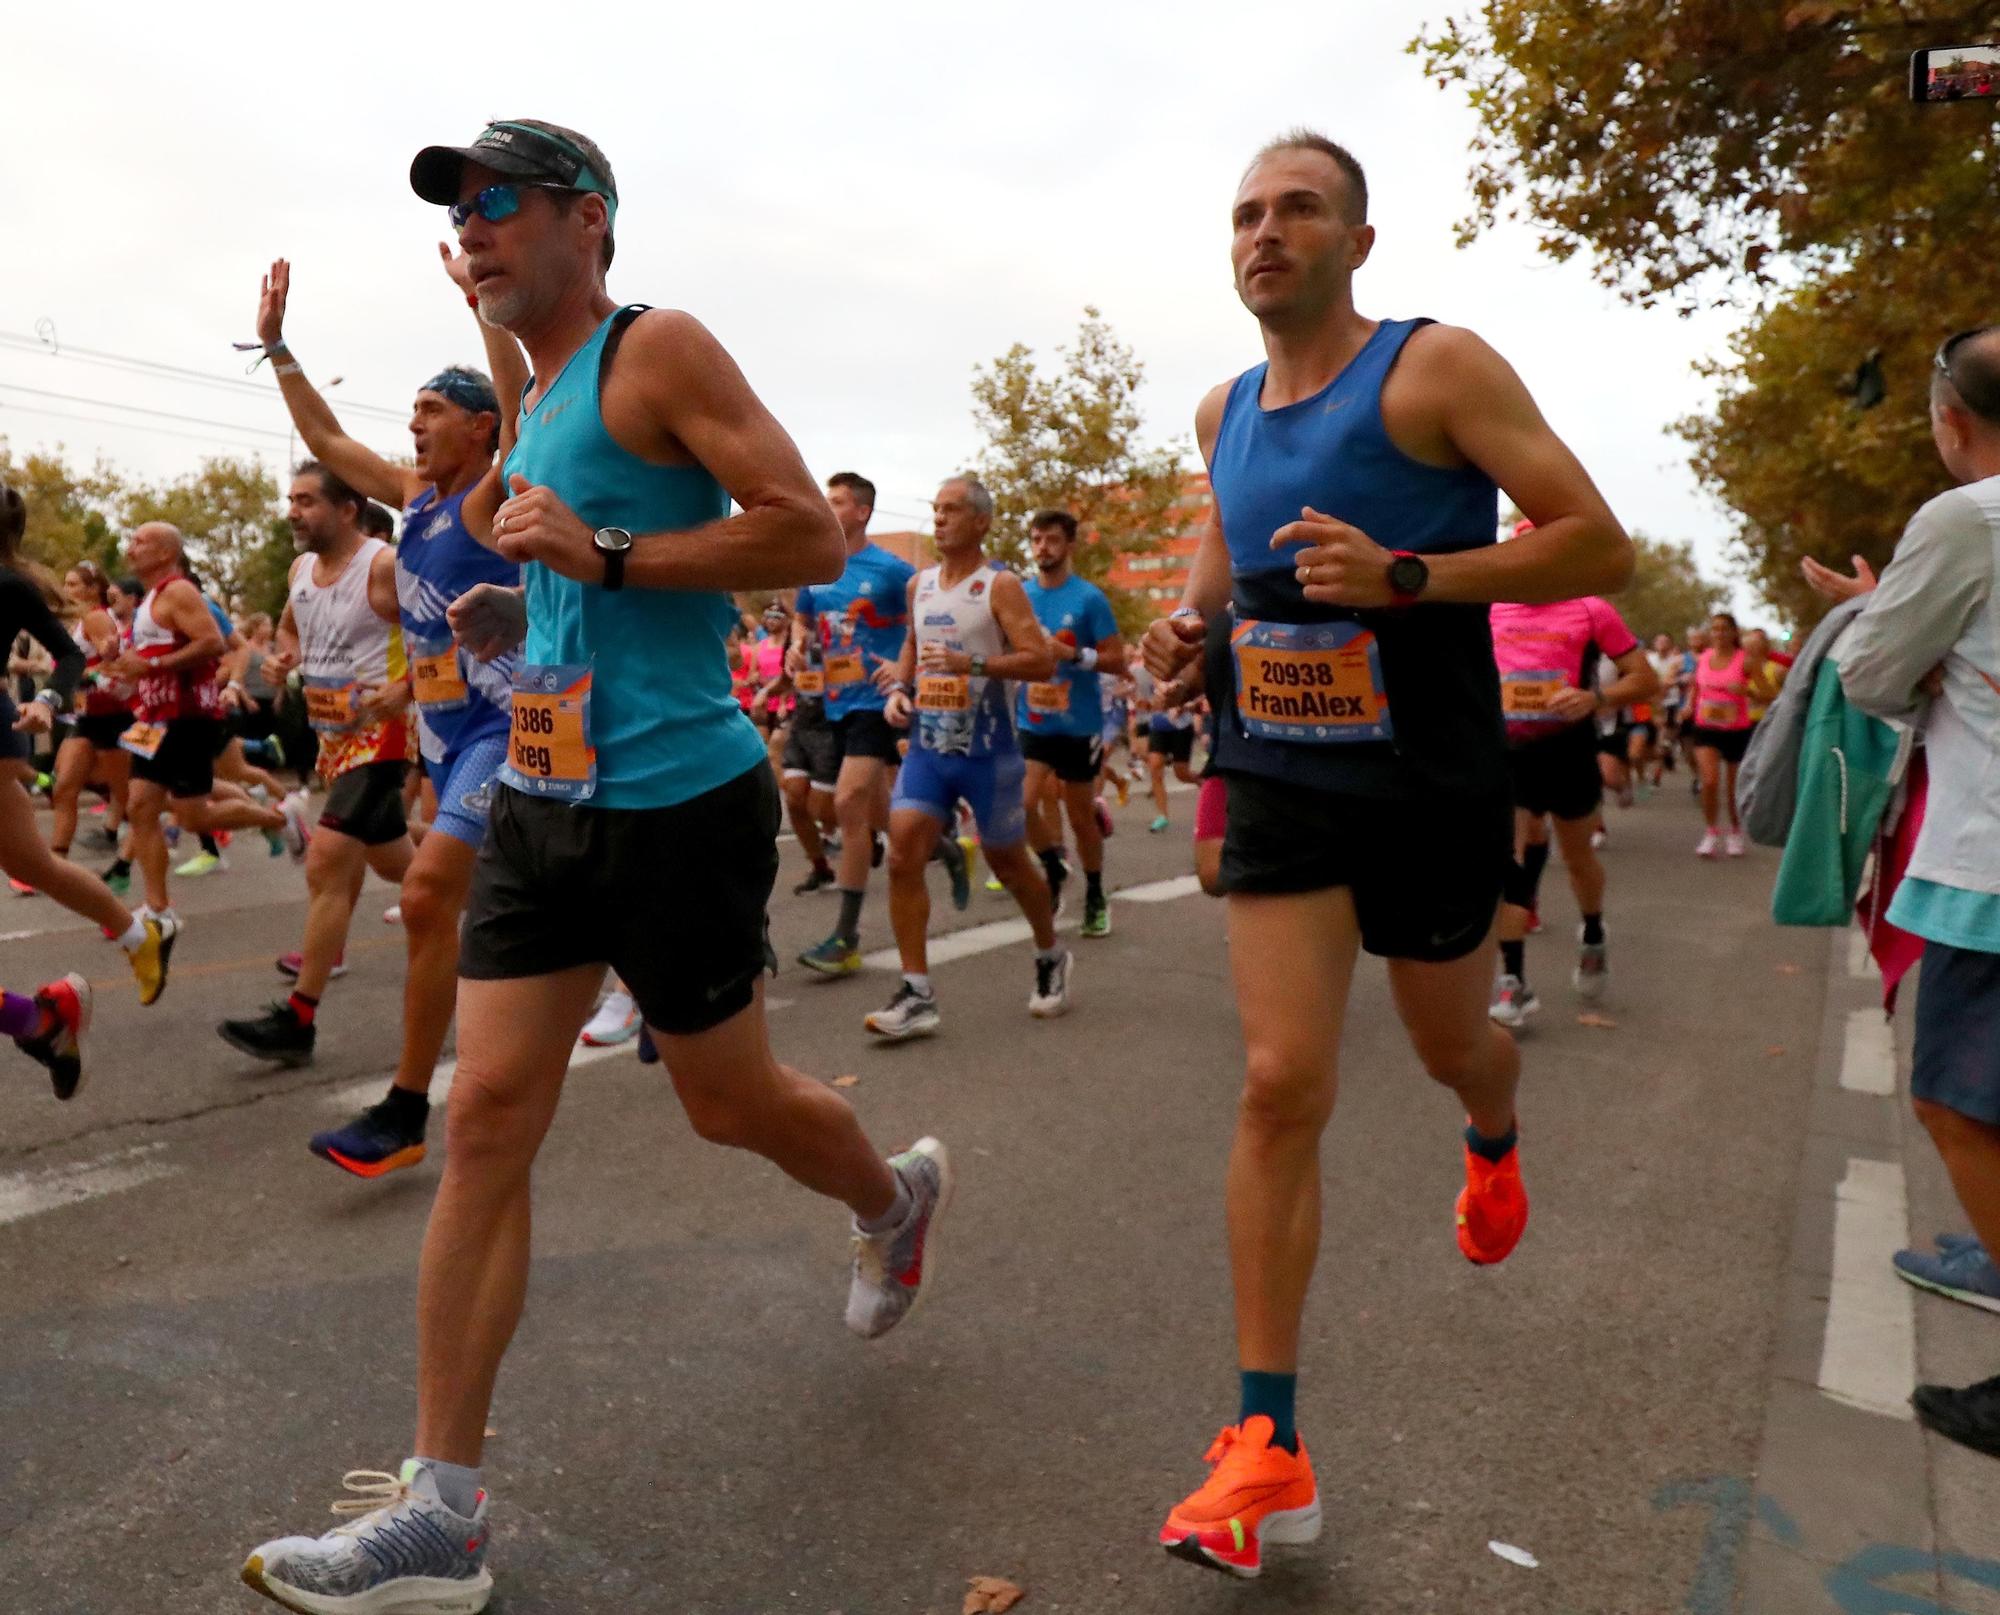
[1255, 1494]
[1492, 1208]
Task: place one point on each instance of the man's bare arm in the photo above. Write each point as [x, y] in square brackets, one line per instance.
[1029, 654]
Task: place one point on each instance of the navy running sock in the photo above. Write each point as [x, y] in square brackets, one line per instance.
[407, 1107]
[1593, 930]
[1491, 1149]
[1272, 1395]
[1053, 866]
[848, 926]
[1514, 957]
[1534, 859]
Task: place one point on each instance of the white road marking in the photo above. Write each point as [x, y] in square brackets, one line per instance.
[1868, 1061]
[23, 1194]
[1868, 1358]
[1161, 891]
[1860, 962]
[954, 945]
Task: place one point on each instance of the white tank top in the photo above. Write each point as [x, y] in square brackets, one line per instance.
[961, 715]
[340, 637]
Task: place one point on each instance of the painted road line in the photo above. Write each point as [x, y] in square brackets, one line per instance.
[1161, 891]
[1868, 1060]
[1860, 962]
[953, 945]
[1868, 1358]
[23, 1194]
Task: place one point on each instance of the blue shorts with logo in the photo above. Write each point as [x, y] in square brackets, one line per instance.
[937, 782]
[463, 783]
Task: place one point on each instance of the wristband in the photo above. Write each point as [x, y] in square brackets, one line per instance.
[1182, 611]
[472, 301]
[286, 369]
[1087, 658]
[50, 699]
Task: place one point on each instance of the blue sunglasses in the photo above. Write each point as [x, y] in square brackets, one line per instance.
[495, 203]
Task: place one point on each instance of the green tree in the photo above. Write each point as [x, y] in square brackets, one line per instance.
[1667, 594]
[70, 512]
[1767, 156]
[227, 512]
[1070, 440]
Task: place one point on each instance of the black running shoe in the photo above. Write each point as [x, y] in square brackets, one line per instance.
[1971, 1416]
[381, 1139]
[818, 881]
[277, 1034]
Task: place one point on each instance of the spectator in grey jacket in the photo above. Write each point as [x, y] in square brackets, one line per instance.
[1926, 650]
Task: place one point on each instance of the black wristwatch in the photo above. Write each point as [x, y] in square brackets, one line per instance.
[1408, 577]
[614, 544]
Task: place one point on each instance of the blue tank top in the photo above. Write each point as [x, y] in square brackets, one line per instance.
[437, 560]
[664, 722]
[1331, 451]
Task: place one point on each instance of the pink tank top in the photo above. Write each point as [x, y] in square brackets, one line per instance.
[1721, 694]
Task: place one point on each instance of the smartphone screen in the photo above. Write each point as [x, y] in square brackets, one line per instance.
[1955, 73]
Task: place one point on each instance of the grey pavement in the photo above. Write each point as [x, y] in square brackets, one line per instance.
[201, 1326]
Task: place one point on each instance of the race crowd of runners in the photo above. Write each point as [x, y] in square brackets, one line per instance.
[618, 634]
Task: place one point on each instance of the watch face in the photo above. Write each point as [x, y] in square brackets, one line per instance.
[614, 538]
[1408, 575]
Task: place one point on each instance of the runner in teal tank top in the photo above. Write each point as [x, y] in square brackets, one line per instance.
[635, 828]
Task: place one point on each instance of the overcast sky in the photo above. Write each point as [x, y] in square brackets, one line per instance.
[863, 201]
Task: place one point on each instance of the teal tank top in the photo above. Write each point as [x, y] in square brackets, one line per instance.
[662, 717]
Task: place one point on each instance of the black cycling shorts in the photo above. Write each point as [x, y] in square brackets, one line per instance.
[1558, 775]
[671, 898]
[366, 803]
[1730, 743]
[1075, 759]
[1425, 873]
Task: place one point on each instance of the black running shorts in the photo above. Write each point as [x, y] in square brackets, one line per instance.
[671, 898]
[869, 734]
[185, 762]
[1731, 744]
[1426, 873]
[812, 751]
[1558, 775]
[1075, 759]
[1176, 745]
[367, 803]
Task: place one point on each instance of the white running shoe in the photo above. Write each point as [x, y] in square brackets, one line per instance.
[1051, 995]
[893, 1269]
[1513, 1002]
[1593, 969]
[1597, 839]
[908, 1014]
[393, 914]
[616, 1021]
[297, 831]
[1709, 845]
[405, 1553]
[1734, 844]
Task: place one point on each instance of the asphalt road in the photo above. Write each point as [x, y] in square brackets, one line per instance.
[201, 1326]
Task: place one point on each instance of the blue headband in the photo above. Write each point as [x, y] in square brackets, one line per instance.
[466, 388]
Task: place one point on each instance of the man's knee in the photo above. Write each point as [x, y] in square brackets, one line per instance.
[1286, 1089]
[717, 1115]
[909, 850]
[430, 902]
[1452, 1052]
[489, 1126]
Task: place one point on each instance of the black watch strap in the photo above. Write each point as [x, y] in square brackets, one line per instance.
[614, 569]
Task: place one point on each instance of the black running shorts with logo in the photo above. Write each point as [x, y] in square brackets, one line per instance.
[1075, 759]
[1558, 775]
[185, 762]
[812, 750]
[1425, 873]
[671, 898]
[367, 803]
[869, 734]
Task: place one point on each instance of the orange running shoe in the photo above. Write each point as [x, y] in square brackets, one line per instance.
[1492, 1207]
[1256, 1493]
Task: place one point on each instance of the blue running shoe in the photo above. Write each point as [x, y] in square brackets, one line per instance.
[1965, 1274]
[403, 1550]
[381, 1139]
[1947, 1243]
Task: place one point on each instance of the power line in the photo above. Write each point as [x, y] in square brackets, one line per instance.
[136, 426]
[140, 409]
[153, 368]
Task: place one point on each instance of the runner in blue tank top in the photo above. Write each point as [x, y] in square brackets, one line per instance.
[1337, 612]
[850, 632]
[636, 825]
[1061, 719]
[447, 498]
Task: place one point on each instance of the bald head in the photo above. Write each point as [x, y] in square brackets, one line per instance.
[153, 550]
[162, 533]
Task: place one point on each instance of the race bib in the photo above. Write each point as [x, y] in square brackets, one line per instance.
[143, 739]
[844, 668]
[1050, 698]
[549, 753]
[1525, 696]
[435, 679]
[1313, 683]
[944, 692]
[1717, 714]
[330, 701]
[810, 682]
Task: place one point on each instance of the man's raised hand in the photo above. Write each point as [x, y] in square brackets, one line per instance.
[276, 288]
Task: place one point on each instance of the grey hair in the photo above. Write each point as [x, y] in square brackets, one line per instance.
[976, 493]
